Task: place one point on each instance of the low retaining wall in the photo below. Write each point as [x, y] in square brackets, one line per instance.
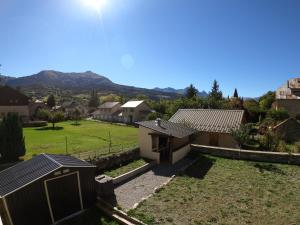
[274, 157]
[115, 160]
[133, 173]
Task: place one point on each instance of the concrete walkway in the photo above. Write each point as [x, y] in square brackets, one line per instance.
[133, 191]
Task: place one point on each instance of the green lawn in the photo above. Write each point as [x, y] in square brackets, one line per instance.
[90, 217]
[88, 136]
[224, 191]
[126, 168]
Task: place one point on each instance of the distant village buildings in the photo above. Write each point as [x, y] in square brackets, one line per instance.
[134, 111]
[130, 112]
[288, 97]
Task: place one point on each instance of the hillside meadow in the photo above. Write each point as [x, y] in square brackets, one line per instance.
[223, 191]
[86, 136]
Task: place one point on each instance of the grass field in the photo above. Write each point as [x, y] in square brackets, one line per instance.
[223, 191]
[88, 136]
[126, 168]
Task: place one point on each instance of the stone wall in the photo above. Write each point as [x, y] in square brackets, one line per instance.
[274, 157]
[291, 105]
[115, 160]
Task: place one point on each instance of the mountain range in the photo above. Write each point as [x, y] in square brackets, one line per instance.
[49, 80]
[179, 91]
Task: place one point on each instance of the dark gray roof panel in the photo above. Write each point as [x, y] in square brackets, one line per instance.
[210, 120]
[25, 172]
[39, 166]
[65, 160]
[168, 128]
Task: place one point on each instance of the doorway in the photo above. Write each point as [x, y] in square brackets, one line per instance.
[164, 149]
[64, 196]
[214, 139]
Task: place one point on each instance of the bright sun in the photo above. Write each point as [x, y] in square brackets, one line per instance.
[95, 4]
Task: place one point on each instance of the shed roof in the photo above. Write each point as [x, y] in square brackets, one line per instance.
[108, 105]
[210, 120]
[168, 128]
[26, 172]
[132, 104]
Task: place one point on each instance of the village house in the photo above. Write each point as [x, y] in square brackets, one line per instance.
[69, 107]
[214, 125]
[108, 111]
[46, 189]
[164, 141]
[288, 97]
[13, 101]
[134, 111]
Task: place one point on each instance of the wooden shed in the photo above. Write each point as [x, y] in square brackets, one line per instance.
[46, 189]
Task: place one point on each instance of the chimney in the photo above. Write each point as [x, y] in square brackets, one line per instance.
[158, 122]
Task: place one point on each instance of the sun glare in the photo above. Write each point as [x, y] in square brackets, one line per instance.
[95, 4]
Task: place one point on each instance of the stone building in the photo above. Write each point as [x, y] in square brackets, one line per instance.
[288, 97]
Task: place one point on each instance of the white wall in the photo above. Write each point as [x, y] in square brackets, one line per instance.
[145, 144]
[180, 153]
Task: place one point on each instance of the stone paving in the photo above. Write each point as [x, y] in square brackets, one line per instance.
[140, 187]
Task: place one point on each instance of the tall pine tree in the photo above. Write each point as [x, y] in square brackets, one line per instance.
[235, 94]
[51, 101]
[191, 92]
[12, 142]
[215, 93]
[94, 100]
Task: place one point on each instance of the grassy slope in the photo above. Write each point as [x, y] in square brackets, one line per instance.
[232, 192]
[88, 136]
[126, 168]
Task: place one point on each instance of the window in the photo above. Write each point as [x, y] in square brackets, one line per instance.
[131, 110]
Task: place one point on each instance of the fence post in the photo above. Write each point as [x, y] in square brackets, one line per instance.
[66, 145]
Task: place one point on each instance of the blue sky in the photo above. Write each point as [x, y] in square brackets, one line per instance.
[253, 45]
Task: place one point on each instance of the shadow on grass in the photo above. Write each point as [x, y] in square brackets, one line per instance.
[49, 128]
[269, 168]
[200, 168]
[76, 124]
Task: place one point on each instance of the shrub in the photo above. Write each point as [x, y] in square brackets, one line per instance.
[282, 147]
[35, 124]
[278, 115]
[270, 141]
[242, 135]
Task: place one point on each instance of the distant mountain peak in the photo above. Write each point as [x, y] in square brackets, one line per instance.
[179, 91]
[81, 82]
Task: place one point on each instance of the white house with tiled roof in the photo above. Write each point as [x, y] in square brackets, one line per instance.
[133, 111]
[214, 125]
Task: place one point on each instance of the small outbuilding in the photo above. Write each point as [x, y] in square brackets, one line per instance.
[164, 141]
[214, 125]
[46, 189]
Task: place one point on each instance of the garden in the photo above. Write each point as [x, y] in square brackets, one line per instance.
[223, 191]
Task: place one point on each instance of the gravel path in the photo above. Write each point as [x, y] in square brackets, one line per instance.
[133, 191]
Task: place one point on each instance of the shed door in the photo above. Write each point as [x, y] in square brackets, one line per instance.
[214, 139]
[64, 196]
